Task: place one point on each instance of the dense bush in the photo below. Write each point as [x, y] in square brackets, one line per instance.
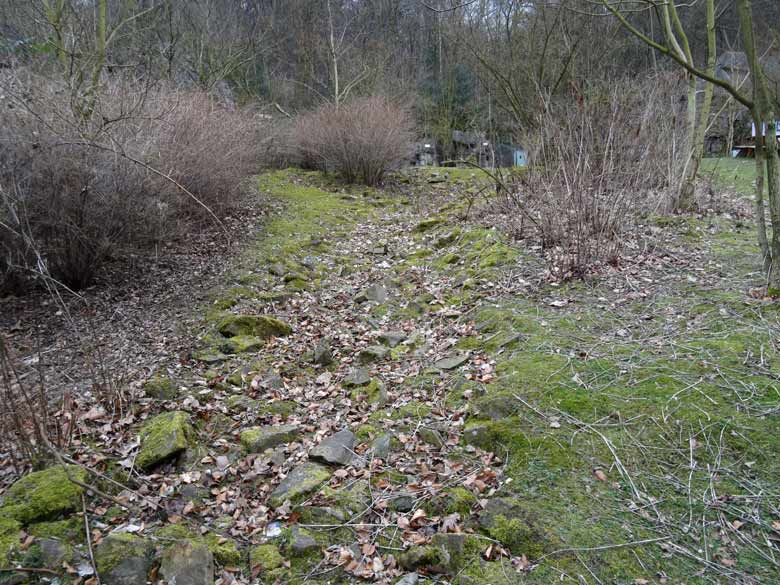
[360, 140]
[75, 186]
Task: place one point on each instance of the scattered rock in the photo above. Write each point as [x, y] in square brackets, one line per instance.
[430, 558]
[187, 562]
[357, 377]
[375, 293]
[336, 449]
[382, 446]
[373, 353]
[300, 481]
[431, 436]
[261, 326]
[161, 388]
[322, 353]
[272, 381]
[451, 362]
[258, 439]
[277, 269]
[265, 558]
[124, 559]
[163, 437]
[392, 338]
[242, 344]
[302, 541]
[44, 495]
[208, 356]
[374, 393]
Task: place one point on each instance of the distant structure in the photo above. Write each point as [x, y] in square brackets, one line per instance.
[425, 153]
[473, 147]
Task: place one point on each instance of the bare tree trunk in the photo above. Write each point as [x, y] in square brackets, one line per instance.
[764, 116]
[334, 58]
[699, 134]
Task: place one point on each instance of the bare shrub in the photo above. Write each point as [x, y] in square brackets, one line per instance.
[29, 426]
[75, 189]
[597, 162]
[360, 141]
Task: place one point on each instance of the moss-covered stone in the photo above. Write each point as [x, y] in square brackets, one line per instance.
[70, 530]
[373, 393]
[429, 224]
[161, 388]
[242, 344]
[301, 481]
[10, 535]
[44, 495]
[163, 437]
[265, 557]
[224, 550]
[515, 525]
[258, 439]
[429, 558]
[124, 559]
[261, 326]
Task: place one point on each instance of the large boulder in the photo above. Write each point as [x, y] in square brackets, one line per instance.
[262, 326]
[164, 437]
[44, 495]
[187, 562]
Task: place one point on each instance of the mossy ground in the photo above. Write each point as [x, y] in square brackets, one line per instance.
[671, 395]
[634, 423]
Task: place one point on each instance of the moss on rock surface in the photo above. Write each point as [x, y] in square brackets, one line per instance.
[301, 481]
[10, 536]
[261, 326]
[164, 437]
[44, 495]
[70, 530]
[124, 559]
[161, 388]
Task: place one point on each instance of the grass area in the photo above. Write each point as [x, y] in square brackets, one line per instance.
[739, 173]
[641, 431]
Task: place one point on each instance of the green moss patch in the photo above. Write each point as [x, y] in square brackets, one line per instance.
[44, 495]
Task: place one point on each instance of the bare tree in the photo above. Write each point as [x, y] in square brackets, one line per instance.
[761, 104]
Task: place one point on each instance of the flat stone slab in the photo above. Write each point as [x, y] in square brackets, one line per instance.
[373, 353]
[302, 480]
[258, 439]
[357, 377]
[451, 362]
[392, 338]
[336, 449]
[189, 563]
